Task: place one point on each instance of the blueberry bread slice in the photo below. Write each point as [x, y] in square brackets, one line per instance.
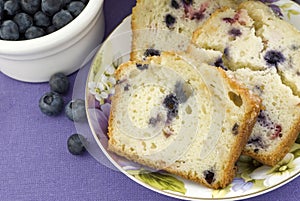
[278, 123]
[253, 38]
[168, 24]
[170, 115]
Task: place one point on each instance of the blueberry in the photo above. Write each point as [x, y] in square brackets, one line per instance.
[41, 19]
[50, 7]
[187, 2]
[30, 6]
[50, 29]
[84, 1]
[126, 88]
[170, 20]
[273, 58]
[24, 21]
[61, 18]
[209, 176]
[51, 104]
[198, 15]
[175, 4]
[229, 20]
[142, 66]
[264, 120]
[153, 121]
[151, 52]
[11, 7]
[1, 9]
[257, 142]
[34, 32]
[2, 4]
[235, 129]
[226, 52]
[59, 83]
[75, 8]
[182, 91]
[219, 63]
[171, 103]
[235, 32]
[75, 145]
[75, 110]
[9, 30]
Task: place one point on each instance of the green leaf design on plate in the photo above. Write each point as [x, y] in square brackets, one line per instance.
[159, 181]
[259, 183]
[221, 193]
[286, 5]
[246, 176]
[296, 150]
[294, 12]
[246, 165]
[96, 65]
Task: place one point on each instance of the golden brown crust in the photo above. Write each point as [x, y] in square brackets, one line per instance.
[134, 27]
[248, 122]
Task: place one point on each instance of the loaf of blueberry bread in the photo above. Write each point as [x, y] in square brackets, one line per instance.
[262, 51]
[169, 24]
[192, 121]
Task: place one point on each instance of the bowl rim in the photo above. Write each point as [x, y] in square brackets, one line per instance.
[62, 36]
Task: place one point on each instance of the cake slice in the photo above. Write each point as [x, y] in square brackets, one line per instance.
[261, 51]
[278, 123]
[169, 24]
[192, 121]
[255, 37]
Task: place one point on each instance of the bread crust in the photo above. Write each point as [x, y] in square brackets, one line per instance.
[133, 54]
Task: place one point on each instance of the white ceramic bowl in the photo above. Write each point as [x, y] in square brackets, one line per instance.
[64, 50]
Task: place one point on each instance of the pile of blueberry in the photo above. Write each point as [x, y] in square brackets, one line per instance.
[28, 19]
[52, 104]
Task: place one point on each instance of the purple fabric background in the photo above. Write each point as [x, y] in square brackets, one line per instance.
[35, 163]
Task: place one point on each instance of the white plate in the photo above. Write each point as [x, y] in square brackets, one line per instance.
[253, 178]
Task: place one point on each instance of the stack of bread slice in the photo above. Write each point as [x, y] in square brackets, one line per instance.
[261, 51]
[231, 89]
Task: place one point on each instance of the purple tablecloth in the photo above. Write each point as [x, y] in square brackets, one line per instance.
[35, 163]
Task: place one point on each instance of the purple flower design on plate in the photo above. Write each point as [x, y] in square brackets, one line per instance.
[239, 184]
[276, 9]
[125, 163]
[99, 121]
